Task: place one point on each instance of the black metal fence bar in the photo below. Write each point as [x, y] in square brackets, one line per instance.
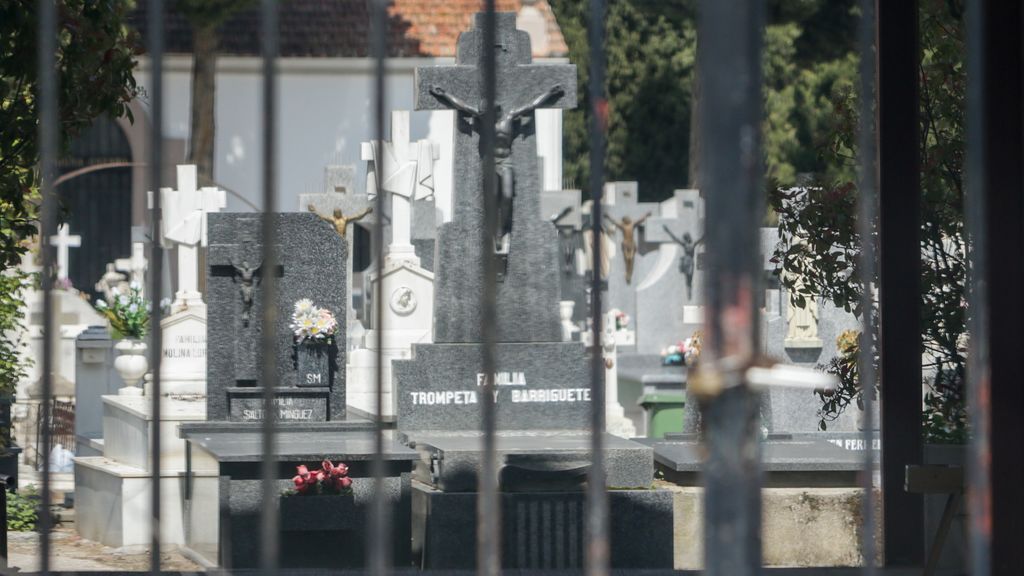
[154, 16]
[730, 131]
[597, 558]
[270, 518]
[867, 212]
[979, 501]
[488, 508]
[900, 276]
[378, 553]
[48, 149]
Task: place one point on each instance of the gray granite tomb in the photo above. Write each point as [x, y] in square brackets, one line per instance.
[543, 401]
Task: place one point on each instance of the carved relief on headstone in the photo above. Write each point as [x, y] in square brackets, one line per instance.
[802, 320]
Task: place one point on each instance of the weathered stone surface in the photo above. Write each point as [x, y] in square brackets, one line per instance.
[312, 259]
[527, 298]
[800, 526]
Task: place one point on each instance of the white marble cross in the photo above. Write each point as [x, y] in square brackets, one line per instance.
[408, 174]
[184, 225]
[136, 265]
[64, 240]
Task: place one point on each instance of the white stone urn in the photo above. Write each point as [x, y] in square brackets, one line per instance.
[131, 364]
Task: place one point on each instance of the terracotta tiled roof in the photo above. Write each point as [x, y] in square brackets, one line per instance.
[340, 28]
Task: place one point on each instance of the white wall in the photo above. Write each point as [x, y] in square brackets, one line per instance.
[326, 108]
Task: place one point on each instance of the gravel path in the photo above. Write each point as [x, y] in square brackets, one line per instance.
[72, 553]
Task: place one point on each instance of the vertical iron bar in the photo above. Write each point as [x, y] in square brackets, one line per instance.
[269, 543]
[979, 372]
[488, 510]
[154, 17]
[48, 150]
[378, 553]
[597, 560]
[731, 171]
[867, 211]
[899, 225]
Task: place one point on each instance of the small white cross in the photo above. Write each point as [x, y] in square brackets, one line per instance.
[135, 266]
[64, 240]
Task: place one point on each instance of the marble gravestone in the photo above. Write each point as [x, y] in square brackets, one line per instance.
[542, 385]
[670, 295]
[311, 264]
[622, 200]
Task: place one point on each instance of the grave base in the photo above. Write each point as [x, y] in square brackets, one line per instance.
[113, 501]
[451, 461]
[224, 505]
[112, 490]
[787, 462]
[542, 530]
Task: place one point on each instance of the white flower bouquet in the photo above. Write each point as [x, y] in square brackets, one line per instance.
[312, 323]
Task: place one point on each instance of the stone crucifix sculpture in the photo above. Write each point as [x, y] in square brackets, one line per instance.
[506, 128]
[628, 228]
[247, 278]
[527, 275]
[339, 220]
[687, 260]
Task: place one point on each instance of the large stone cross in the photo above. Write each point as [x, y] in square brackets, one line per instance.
[135, 266]
[528, 288]
[63, 240]
[521, 86]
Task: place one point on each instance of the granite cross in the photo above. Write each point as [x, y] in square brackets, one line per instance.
[682, 232]
[527, 271]
[64, 240]
[241, 260]
[522, 87]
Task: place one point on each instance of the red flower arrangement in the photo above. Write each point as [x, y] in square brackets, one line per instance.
[329, 479]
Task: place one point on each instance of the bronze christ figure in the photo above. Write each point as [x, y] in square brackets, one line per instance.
[505, 131]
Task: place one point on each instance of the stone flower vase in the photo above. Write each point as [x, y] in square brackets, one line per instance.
[313, 361]
[131, 364]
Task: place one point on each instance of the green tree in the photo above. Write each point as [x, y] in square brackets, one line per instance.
[205, 17]
[820, 242]
[809, 61]
[95, 58]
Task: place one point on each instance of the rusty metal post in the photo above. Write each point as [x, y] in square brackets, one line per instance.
[730, 131]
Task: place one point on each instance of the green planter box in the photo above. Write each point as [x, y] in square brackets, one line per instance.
[664, 412]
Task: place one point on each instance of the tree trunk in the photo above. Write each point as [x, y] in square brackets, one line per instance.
[693, 168]
[204, 86]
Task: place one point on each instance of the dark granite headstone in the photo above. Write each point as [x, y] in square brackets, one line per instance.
[311, 258]
[527, 298]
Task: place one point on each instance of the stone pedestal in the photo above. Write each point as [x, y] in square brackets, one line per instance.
[183, 362]
[405, 317]
[113, 490]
